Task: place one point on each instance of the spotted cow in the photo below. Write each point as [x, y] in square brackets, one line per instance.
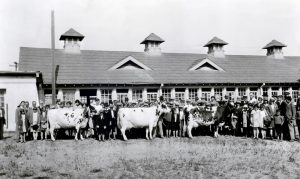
[65, 118]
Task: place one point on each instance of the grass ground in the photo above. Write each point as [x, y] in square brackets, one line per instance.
[201, 157]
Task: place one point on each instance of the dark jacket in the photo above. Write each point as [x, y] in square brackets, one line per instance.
[290, 113]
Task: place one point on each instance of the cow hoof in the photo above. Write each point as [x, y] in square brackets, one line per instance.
[191, 137]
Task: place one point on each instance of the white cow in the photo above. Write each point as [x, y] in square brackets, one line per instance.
[139, 118]
[64, 118]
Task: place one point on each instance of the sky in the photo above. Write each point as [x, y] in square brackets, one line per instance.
[120, 25]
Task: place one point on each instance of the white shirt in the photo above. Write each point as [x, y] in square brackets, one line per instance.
[34, 118]
[98, 108]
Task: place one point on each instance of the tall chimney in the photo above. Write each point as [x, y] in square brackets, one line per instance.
[215, 47]
[71, 40]
[152, 43]
[274, 49]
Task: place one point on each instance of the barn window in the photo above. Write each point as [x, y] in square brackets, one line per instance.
[218, 93]
[106, 95]
[152, 95]
[206, 65]
[2, 94]
[295, 93]
[137, 94]
[166, 93]
[193, 94]
[69, 95]
[179, 93]
[129, 63]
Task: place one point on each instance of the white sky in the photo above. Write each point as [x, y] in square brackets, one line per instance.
[122, 24]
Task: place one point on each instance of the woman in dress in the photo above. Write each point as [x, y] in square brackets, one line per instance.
[23, 124]
[255, 121]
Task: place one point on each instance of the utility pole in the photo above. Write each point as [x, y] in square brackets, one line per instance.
[16, 64]
[53, 59]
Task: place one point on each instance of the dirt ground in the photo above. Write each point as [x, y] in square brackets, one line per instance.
[201, 157]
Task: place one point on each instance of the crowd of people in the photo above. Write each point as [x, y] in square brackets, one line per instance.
[273, 118]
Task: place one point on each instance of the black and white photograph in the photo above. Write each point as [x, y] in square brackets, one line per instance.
[201, 89]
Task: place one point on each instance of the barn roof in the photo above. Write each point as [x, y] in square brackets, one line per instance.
[94, 67]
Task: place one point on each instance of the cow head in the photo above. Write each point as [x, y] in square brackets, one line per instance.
[162, 109]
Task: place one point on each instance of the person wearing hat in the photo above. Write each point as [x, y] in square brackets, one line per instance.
[169, 118]
[252, 98]
[181, 118]
[68, 104]
[239, 116]
[77, 104]
[245, 120]
[271, 109]
[260, 100]
[34, 119]
[281, 104]
[96, 109]
[107, 120]
[175, 119]
[255, 120]
[290, 117]
[214, 100]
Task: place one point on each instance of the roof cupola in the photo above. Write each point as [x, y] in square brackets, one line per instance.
[274, 49]
[152, 44]
[71, 40]
[215, 47]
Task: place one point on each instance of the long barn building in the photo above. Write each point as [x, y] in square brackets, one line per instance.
[114, 75]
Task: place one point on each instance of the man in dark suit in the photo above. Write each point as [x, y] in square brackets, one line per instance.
[290, 116]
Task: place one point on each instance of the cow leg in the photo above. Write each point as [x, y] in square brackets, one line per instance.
[52, 133]
[216, 134]
[189, 130]
[123, 134]
[154, 132]
[150, 130]
[147, 132]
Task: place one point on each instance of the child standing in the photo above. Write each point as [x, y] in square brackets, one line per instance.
[244, 120]
[44, 123]
[262, 116]
[23, 125]
[279, 120]
[255, 121]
